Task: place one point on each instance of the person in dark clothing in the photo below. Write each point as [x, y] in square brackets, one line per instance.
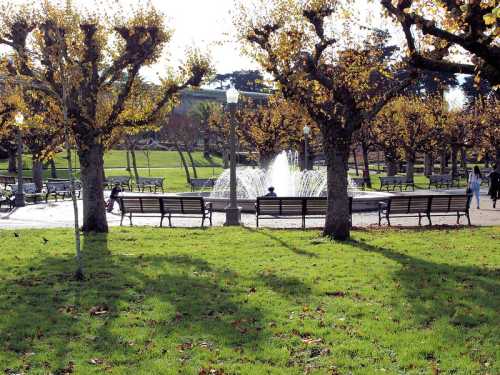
[271, 192]
[494, 191]
[113, 197]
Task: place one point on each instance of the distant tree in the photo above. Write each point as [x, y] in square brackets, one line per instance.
[242, 80]
[201, 113]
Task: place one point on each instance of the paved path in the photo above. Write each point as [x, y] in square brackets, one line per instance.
[60, 215]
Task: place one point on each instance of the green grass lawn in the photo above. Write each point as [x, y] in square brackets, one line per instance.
[118, 159]
[244, 301]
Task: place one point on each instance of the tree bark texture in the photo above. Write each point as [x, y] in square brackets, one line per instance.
[53, 169]
[366, 165]
[392, 166]
[410, 166]
[463, 158]
[12, 162]
[37, 171]
[184, 163]
[134, 164]
[338, 218]
[193, 165]
[444, 160]
[454, 161]
[92, 178]
[428, 164]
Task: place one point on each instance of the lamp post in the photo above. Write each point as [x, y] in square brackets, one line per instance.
[307, 131]
[233, 212]
[19, 197]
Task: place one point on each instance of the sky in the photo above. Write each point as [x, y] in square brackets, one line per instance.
[207, 25]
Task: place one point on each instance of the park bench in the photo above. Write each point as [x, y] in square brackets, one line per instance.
[61, 189]
[425, 206]
[440, 181]
[123, 181]
[292, 207]
[30, 191]
[393, 182]
[358, 183]
[150, 183]
[11, 180]
[169, 207]
[7, 180]
[4, 199]
[201, 183]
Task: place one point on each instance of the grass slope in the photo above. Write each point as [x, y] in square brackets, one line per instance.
[118, 159]
[244, 301]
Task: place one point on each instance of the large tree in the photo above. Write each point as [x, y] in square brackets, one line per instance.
[80, 60]
[449, 26]
[330, 75]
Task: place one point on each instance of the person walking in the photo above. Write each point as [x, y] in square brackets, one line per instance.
[113, 197]
[474, 185]
[494, 191]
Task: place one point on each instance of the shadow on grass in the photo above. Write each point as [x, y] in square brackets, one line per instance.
[42, 307]
[465, 296]
[268, 234]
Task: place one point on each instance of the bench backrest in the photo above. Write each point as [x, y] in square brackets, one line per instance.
[449, 203]
[153, 181]
[62, 185]
[286, 206]
[389, 180]
[408, 204]
[163, 205]
[122, 180]
[7, 179]
[202, 182]
[28, 188]
[294, 206]
[140, 205]
[184, 205]
[428, 203]
[440, 178]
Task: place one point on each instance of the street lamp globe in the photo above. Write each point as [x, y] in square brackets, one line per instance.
[306, 130]
[19, 119]
[232, 96]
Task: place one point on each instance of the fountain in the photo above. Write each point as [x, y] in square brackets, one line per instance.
[283, 174]
[288, 180]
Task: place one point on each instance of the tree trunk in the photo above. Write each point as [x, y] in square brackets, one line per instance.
[443, 161]
[225, 158]
[12, 162]
[454, 161]
[37, 171]
[463, 158]
[366, 165]
[184, 163]
[410, 167]
[392, 166]
[134, 164]
[129, 168]
[428, 164]
[92, 172]
[355, 157]
[338, 220]
[206, 142]
[497, 159]
[53, 169]
[193, 166]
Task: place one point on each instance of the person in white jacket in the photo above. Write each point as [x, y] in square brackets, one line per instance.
[475, 183]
